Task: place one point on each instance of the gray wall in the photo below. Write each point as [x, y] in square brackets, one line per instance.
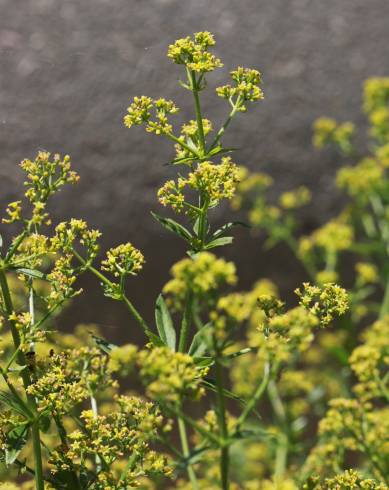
[68, 69]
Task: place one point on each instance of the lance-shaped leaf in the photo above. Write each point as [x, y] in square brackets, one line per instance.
[173, 226]
[15, 441]
[200, 343]
[164, 323]
[34, 273]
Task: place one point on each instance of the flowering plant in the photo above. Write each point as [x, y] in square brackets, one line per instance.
[223, 371]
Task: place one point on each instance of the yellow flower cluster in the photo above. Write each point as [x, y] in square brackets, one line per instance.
[288, 332]
[194, 53]
[361, 179]
[69, 378]
[122, 359]
[246, 87]
[217, 182]
[296, 198]
[214, 182]
[370, 362]
[27, 330]
[124, 433]
[350, 425]
[203, 275]
[33, 250]
[327, 130]
[191, 136]
[325, 302]
[349, 480]
[367, 273]
[376, 105]
[334, 236]
[170, 376]
[14, 211]
[139, 112]
[66, 233]
[46, 177]
[123, 260]
[61, 278]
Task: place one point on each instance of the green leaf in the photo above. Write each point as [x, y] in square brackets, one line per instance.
[199, 343]
[173, 226]
[202, 362]
[219, 242]
[164, 323]
[15, 440]
[183, 161]
[184, 85]
[218, 150]
[211, 385]
[12, 401]
[228, 226]
[35, 274]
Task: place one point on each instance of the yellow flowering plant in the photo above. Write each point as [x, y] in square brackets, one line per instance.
[228, 380]
[357, 236]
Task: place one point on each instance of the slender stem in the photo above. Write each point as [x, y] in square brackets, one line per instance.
[202, 233]
[186, 322]
[197, 427]
[182, 143]
[199, 118]
[11, 360]
[39, 480]
[95, 411]
[186, 452]
[225, 125]
[16, 245]
[134, 312]
[283, 439]
[255, 397]
[281, 457]
[221, 412]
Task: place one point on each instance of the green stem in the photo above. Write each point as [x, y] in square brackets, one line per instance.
[186, 452]
[134, 312]
[221, 411]
[186, 322]
[283, 439]
[95, 411]
[195, 426]
[202, 233]
[36, 443]
[14, 247]
[281, 458]
[250, 405]
[225, 125]
[199, 118]
[182, 143]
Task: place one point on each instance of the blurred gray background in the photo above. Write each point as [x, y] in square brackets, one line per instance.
[68, 69]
